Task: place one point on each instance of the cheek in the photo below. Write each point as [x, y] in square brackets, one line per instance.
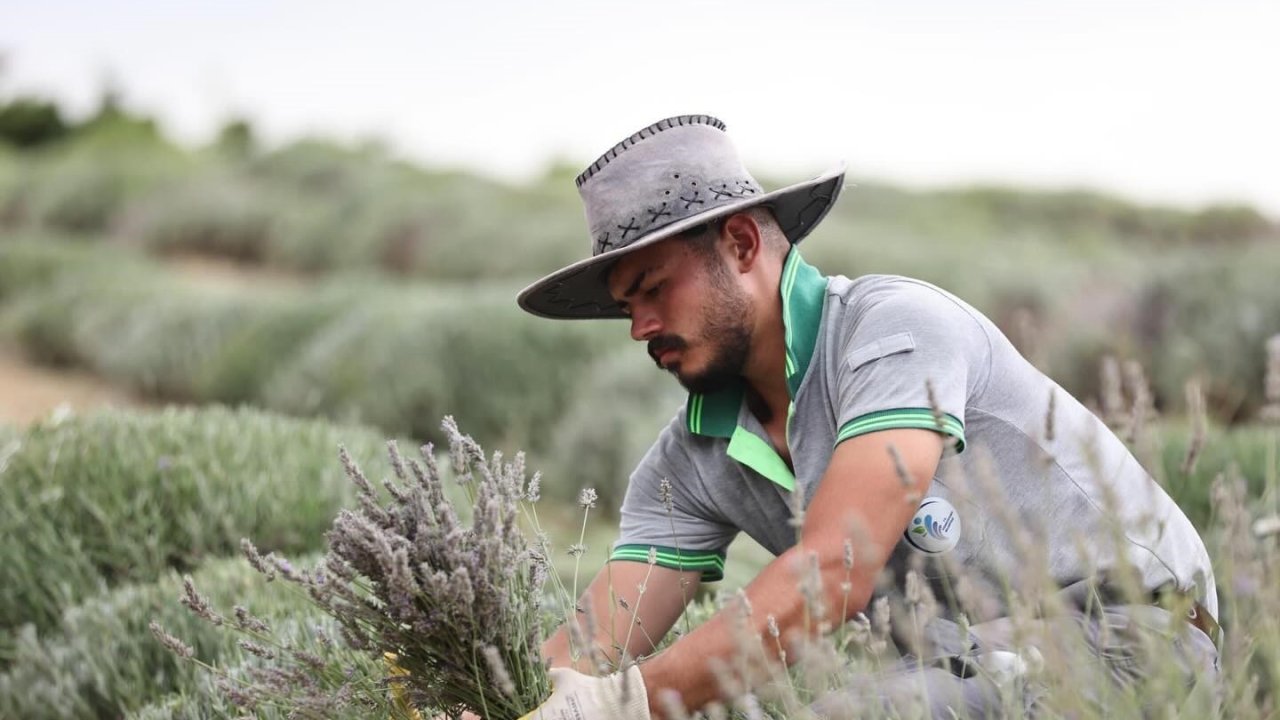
[687, 292]
[683, 312]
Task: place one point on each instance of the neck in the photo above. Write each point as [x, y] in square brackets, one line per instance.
[766, 369]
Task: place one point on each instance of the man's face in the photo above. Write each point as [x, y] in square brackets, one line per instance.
[690, 310]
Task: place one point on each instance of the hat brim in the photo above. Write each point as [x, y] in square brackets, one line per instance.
[579, 291]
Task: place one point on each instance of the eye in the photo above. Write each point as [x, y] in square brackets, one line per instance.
[652, 292]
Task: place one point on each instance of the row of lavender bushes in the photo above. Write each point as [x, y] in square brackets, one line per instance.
[350, 350]
[395, 356]
[101, 501]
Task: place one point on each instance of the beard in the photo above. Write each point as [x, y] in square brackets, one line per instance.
[726, 319]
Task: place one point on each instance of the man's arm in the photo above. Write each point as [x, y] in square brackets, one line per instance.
[622, 616]
[861, 487]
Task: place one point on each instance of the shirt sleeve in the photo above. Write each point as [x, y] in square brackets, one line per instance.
[910, 363]
[663, 512]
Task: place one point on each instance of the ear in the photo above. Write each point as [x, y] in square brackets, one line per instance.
[742, 235]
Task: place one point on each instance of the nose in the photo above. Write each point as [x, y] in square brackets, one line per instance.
[644, 324]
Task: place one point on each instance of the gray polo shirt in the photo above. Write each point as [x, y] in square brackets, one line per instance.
[883, 352]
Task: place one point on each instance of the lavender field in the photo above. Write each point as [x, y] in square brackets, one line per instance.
[224, 318]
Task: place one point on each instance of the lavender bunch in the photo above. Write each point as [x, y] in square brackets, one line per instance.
[454, 607]
[458, 605]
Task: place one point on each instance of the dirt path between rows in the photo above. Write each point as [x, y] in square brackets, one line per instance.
[30, 392]
[221, 273]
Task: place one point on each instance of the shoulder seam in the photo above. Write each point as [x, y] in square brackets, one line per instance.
[986, 335]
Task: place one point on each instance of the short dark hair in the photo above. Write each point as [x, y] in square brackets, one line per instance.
[702, 238]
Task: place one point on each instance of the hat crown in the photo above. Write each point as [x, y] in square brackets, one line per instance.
[668, 172]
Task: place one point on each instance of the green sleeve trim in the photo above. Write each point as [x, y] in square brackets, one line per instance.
[918, 418]
[710, 563]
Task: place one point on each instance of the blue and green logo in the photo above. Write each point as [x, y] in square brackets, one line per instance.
[935, 528]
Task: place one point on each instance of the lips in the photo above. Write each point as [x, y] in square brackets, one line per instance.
[665, 349]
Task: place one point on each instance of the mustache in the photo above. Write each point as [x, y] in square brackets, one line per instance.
[663, 343]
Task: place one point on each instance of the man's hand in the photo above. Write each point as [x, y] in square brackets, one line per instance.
[575, 696]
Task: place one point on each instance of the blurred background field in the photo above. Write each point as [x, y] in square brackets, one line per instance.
[244, 307]
[231, 273]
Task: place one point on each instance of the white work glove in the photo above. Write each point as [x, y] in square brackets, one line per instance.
[1005, 667]
[574, 696]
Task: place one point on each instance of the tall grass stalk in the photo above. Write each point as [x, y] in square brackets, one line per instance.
[587, 501]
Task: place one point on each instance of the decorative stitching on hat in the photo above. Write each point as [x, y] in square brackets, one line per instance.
[620, 232]
[631, 226]
[693, 199]
[654, 129]
[662, 211]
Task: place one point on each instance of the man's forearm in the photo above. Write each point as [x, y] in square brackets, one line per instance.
[620, 617]
[557, 650]
[687, 666]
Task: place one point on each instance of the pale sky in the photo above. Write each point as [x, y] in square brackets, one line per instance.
[1161, 100]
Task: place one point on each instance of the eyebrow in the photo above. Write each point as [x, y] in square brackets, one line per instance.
[635, 284]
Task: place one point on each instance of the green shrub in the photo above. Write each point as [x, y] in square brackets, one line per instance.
[1211, 319]
[218, 213]
[29, 121]
[263, 340]
[161, 349]
[69, 318]
[112, 498]
[339, 210]
[85, 184]
[29, 262]
[1229, 223]
[1251, 450]
[12, 189]
[1070, 216]
[1184, 318]
[100, 660]
[402, 360]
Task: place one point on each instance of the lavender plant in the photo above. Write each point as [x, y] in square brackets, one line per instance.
[459, 606]
[456, 606]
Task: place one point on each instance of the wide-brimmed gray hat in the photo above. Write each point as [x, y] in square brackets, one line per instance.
[674, 175]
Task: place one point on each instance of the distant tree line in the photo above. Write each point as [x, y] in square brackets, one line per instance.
[29, 121]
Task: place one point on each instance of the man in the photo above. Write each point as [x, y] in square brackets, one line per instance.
[828, 414]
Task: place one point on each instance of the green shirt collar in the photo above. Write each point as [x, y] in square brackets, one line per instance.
[803, 290]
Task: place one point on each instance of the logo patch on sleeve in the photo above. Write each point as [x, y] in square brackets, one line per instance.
[935, 528]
